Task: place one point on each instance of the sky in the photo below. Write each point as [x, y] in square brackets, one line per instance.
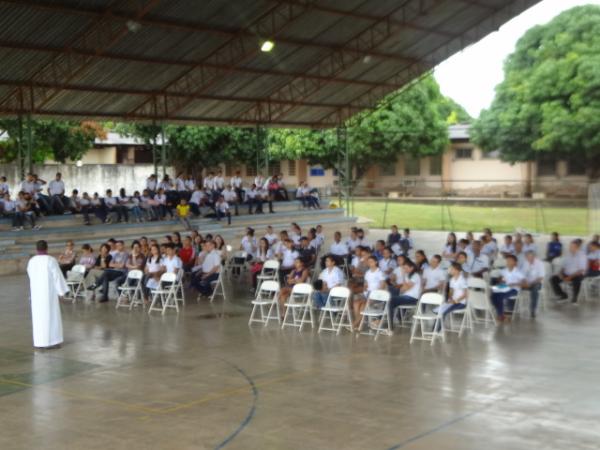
[469, 77]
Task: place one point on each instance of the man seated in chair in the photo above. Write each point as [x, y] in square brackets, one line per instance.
[208, 271]
[477, 262]
[534, 271]
[573, 268]
[513, 278]
[306, 253]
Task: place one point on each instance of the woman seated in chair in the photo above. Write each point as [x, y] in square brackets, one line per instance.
[66, 260]
[409, 290]
[263, 254]
[298, 275]
[152, 271]
[374, 280]
[457, 296]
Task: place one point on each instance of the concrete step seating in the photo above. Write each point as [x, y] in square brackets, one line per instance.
[17, 247]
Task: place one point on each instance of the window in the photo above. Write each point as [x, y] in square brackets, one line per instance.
[546, 167]
[317, 171]
[435, 165]
[412, 166]
[251, 171]
[494, 154]
[463, 153]
[275, 168]
[292, 168]
[387, 170]
[576, 166]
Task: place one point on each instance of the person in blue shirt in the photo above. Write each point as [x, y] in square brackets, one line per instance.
[554, 249]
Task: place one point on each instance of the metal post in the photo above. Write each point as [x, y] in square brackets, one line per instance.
[20, 149]
[28, 158]
[385, 211]
[163, 150]
[266, 151]
[344, 170]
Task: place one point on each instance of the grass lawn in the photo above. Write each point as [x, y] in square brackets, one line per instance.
[571, 221]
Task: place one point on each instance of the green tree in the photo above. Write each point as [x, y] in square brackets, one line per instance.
[454, 112]
[549, 101]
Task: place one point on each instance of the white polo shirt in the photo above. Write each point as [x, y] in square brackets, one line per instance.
[533, 271]
[459, 287]
[29, 187]
[236, 182]
[151, 184]
[271, 238]
[223, 207]
[415, 290]
[398, 275]
[352, 244]
[110, 201]
[229, 195]
[489, 249]
[514, 276]
[477, 263]
[433, 277]
[212, 260]
[373, 280]
[387, 264]
[249, 244]
[332, 278]
[288, 257]
[530, 248]
[573, 263]
[56, 187]
[171, 265]
[180, 184]
[510, 249]
[197, 197]
[338, 249]
[219, 182]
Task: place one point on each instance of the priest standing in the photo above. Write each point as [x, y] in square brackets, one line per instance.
[47, 284]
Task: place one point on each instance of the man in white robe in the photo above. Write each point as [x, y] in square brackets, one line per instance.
[47, 284]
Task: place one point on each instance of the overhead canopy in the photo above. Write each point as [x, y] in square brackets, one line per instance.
[200, 61]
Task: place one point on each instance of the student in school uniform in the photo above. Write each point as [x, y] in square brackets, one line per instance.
[387, 263]
[508, 247]
[378, 252]
[420, 261]
[237, 184]
[231, 199]
[477, 262]
[374, 280]
[409, 291]
[434, 277]
[593, 257]
[519, 253]
[457, 294]
[338, 250]
[270, 236]
[489, 247]
[152, 184]
[554, 248]
[209, 270]
[513, 278]
[573, 269]
[253, 199]
[397, 276]
[287, 256]
[330, 277]
[264, 253]
[534, 272]
[320, 236]
[450, 249]
[528, 244]
[394, 237]
[222, 208]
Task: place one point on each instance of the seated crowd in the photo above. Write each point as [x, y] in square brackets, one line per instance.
[179, 199]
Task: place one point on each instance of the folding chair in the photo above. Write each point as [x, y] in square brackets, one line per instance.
[466, 320]
[234, 264]
[499, 263]
[267, 297]
[587, 288]
[219, 288]
[337, 310]
[377, 307]
[422, 317]
[269, 271]
[75, 278]
[179, 290]
[299, 307]
[479, 300]
[165, 294]
[131, 290]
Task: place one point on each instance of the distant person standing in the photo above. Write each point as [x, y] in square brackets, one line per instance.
[46, 284]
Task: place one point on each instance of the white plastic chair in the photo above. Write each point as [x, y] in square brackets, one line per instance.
[377, 307]
[179, 290]
[499, 263]
[337, 310]
[424, 318]
[269, 271]
[265, 302]
[234, 264]
[587, 288]
[131, 290]
[479, 301]
[218, 288]
[75, 278]
[165, 293]
[299, 307]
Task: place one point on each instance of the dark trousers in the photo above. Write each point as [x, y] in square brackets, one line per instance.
[534, 295]
[221, 214]
[240, 194]
[254, 201]
[203, 285]
[120, 211]
[396, 301]
[58, 204]
[575, 282]
[108, 276]
[498, 299]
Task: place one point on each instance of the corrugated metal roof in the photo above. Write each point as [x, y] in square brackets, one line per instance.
[189, 61]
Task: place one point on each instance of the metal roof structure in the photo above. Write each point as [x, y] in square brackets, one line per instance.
[193, 61]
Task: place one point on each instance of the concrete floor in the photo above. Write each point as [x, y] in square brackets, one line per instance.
[203, 379]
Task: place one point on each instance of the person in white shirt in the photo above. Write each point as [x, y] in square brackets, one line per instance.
[231, 198]
[270, 236]
[56, 192]
[457, 294]
[164, 207]
[451, 248]
[219, 182]
[113, 205]
[332, 276]
[434, 277]
[259, 181]
[151, 184]
[374, 280]
[287, 257]
[519, 253]
[197, 200]
[171, 263]
[237, 184]
[253, 198]
[508, 247]
[222, 208]
[4, 188]
[180, 186]
[593, 257]
[490, 248]
[409, 291]
[477, 262]
[338, 249]
[387, 263]
[528, 244]
[209, 271]
[190, 184]
[10, 210]
[573, 269]
[534, 272]
[513, 278]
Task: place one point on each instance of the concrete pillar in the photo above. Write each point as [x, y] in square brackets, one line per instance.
[447, 169]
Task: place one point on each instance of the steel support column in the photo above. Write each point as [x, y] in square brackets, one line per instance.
[28, 156]
[344, 170]
[163, 149]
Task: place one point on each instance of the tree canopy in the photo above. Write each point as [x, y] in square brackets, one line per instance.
[549, 101]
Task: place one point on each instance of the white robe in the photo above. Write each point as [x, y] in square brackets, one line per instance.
[46, 283]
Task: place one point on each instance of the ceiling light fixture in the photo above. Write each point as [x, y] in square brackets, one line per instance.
[267, 46]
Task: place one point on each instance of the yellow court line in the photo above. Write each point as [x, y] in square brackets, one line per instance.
[77, 396]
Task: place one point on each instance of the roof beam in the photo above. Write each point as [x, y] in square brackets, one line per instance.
[37, 89]
[101, 35]
[336, 63]
[491, 23]
[227, 33]
[178, 63]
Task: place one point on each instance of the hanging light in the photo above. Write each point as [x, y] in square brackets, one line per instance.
[267, 46]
